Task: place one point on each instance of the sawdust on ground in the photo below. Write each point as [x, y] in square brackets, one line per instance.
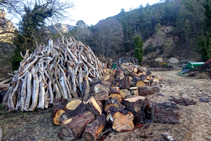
[194, 123]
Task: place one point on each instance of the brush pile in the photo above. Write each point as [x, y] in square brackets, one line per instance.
[62, 69]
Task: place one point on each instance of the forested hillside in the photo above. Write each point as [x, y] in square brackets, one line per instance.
[115, 35]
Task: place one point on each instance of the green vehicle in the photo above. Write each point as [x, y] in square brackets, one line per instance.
[192, 65]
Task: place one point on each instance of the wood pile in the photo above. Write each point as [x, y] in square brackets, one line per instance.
[115, 102]
[62, 69]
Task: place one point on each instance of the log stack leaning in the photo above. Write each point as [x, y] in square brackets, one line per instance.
[62, 69]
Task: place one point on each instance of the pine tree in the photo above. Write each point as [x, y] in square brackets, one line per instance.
[138, 48]
[205, 43]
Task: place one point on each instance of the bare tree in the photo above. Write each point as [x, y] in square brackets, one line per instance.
[82, 31]
[109, 34]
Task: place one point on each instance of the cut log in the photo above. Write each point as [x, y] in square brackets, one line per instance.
[71, 113]
[114, 90]
[56, 113]
[74, 127]
[143, 91]
[100, 104]
[122, 120]
[135, 70]
[73, 104]
[116, 96]
[112, 102]
[139, 74]
[155, 81]
[147, 82]
[124, 83]
[86, 88]
[100, 88]
[101, 96]
[148, 73]
[165, 113]
[108, 77]
[124, 93]
[59, 101]
[140, 69]
[140, 107]
[119, 75]
[58, 110]
[110, 71]
[134, 80]
[143, 77]
[140, 84]
[94, 107]
[128, 69]
[134, 91]
[94, 129]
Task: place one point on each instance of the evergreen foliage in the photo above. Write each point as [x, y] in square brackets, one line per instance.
[138, 48]
[205, 42]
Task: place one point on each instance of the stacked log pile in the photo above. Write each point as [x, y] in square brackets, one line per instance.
[62, 69]
[117, 101]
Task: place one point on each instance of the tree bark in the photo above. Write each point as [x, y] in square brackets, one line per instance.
[71, 113]
[74, 127]
[94, 107]
[94, 129]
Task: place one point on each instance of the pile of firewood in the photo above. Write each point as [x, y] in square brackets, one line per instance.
[62, 69]
[117, 101]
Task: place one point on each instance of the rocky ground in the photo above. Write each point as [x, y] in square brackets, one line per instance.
[194, 120]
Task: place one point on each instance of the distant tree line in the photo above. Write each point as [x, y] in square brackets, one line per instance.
[114, 36]
[190, 19]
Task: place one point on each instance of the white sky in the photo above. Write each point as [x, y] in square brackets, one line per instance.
[91, 11]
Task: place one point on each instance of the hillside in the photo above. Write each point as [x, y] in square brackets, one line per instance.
[185, 18]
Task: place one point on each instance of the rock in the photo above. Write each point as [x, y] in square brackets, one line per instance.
[159, 60]
[173, 60]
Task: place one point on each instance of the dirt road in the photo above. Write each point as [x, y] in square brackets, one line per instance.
[195, 120]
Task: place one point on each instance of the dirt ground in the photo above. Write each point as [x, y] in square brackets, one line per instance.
[194, 120]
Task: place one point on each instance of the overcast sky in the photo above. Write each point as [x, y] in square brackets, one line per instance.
[91, 11]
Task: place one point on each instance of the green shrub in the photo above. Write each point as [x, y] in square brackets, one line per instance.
[138, 48]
